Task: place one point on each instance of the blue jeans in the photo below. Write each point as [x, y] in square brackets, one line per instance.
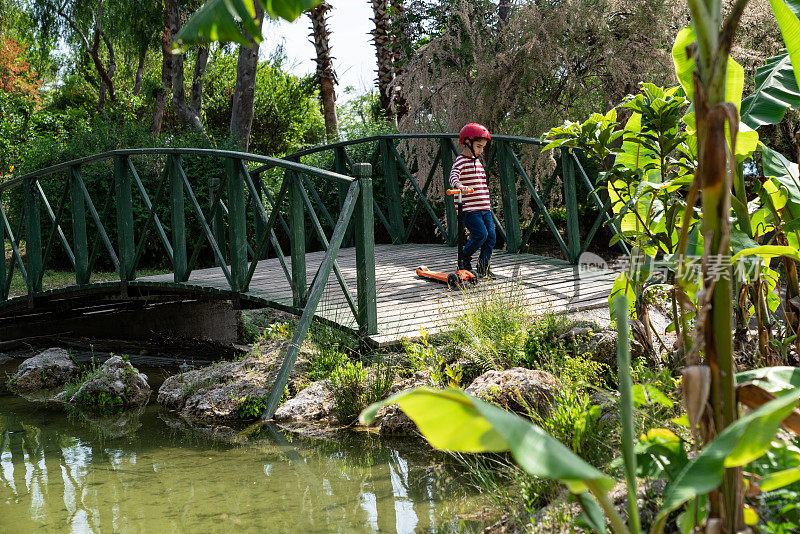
[481, 236]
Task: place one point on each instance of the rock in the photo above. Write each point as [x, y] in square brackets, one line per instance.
[314, 403]
[49, 369]
[216, 393]
[391, 420]
[4, 359]
[115, 379]
[517, 389]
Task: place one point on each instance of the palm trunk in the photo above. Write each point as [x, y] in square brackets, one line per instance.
[383, 50]
[400, 45]
[326, 76]
[245, 90]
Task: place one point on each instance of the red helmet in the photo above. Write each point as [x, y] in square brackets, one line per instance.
[473, 130]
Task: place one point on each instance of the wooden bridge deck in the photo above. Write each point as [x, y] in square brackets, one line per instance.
[407, 303]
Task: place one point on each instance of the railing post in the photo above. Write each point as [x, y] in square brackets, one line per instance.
[124, 202]
[217, 221]
[297, 241]
[449, 204]
[393, 198]
[508, 189]
[176, 204]
[237, 223]
[340, 167]
[79, 236]
[365, 252]
[33, 236]
[571, 197]
[259, 224]
[3, 293]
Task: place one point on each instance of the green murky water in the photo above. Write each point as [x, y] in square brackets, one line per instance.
[147, 471]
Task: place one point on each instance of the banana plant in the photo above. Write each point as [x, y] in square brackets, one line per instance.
[453, 420]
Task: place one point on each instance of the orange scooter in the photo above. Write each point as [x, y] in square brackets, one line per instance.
[461, 277]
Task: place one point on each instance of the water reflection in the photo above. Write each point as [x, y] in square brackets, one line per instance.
[76, 473]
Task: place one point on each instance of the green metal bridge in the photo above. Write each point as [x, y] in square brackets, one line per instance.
[256, 231]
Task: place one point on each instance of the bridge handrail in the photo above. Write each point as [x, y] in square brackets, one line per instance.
[271, 162]
[378, 137]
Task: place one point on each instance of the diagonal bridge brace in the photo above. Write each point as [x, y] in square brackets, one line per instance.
[320, 280]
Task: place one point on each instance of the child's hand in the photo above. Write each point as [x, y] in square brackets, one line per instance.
[465, 189]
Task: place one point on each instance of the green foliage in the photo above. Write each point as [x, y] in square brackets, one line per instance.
[776, 91]
[355, 387]
[286, 113]
[220, 20]
[491, 330]
[250, 407]
[102, 400]
[575, 422]
[333, 348]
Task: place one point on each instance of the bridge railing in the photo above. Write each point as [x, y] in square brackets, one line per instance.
[114, 215]
[394, 177]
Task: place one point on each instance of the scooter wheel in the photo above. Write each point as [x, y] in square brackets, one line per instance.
[453, 281]
[473, 280]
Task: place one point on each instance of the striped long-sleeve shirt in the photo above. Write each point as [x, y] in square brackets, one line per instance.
[469, 172]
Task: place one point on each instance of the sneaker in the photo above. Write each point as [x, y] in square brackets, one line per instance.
[466, 265]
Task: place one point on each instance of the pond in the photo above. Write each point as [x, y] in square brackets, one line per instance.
[149, 471]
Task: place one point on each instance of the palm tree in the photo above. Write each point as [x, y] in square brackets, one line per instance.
[326, 76]
[382, 38]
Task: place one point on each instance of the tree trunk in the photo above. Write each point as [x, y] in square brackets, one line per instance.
[185, 113]
[400, 46]
[112, 68]
[93, 50]
[196, 96]
[166, 76]
[326, 76]
[244, 93]
[383, 50]
[137, 79]
[502, 10]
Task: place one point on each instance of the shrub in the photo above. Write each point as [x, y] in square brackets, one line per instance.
[251, 407]
[354, 388]
[492, 329]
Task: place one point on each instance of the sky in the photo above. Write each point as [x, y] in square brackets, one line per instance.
[351, 45]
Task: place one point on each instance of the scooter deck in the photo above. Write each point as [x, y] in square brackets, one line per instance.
[458, 278]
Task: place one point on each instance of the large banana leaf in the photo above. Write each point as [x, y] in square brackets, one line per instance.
[776, 91]
[783, 170]
[685, 67]
[234, 20]
[773, 379]
[455, 421]
[786, 15]
[743, 441]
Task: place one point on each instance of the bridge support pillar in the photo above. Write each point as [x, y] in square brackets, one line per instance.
[180, 262]
[446, 152]
[571, 198]
[237, 222]
[297, 243]
[365, 252]
[508, 188]
[124, 202]
[33, 236]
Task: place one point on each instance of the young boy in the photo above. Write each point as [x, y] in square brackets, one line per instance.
[468, 173]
